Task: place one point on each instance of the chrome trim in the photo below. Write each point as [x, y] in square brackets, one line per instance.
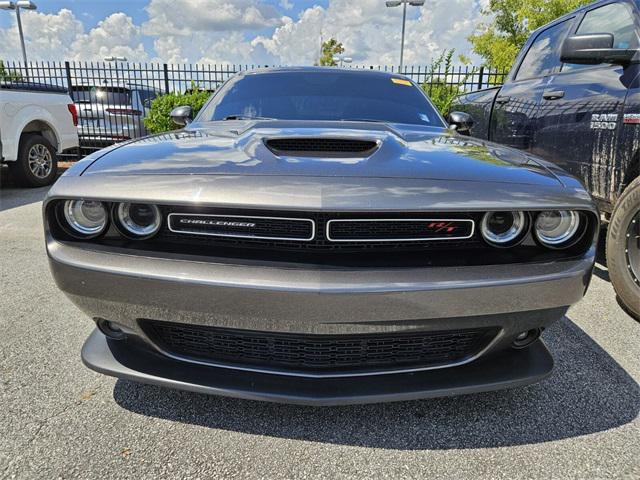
[473, 228]
[289, 373]
[570, 238]
[239, 235]
[517, 239]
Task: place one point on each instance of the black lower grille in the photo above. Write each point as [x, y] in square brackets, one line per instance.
[316, 353]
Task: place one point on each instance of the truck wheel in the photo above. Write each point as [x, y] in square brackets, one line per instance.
[37, 163]
[623, 249]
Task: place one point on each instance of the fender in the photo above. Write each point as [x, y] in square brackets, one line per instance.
[17, 124]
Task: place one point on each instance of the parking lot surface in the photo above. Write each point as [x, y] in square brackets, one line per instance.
[61, 420]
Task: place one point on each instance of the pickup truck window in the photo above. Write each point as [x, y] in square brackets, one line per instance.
[543, 55]
[614, 18]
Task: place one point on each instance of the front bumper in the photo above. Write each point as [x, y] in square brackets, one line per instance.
[126, 288]
[507, 369]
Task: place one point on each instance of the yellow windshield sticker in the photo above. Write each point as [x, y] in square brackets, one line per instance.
[400, 81]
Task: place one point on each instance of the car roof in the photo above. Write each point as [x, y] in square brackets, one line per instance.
[31, 86]
[113, 87]
[369, 72]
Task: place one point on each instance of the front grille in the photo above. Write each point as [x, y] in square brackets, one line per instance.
[288, 241]
[242, 226]
[383, 230]
[316, 353]
[340, 147]
[340, 252]
[320, 243]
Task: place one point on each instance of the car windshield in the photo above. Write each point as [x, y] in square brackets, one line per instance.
[322, 95]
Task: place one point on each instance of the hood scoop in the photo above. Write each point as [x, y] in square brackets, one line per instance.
[321, 147]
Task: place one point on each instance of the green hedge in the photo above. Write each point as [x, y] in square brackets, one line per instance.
[158, 120]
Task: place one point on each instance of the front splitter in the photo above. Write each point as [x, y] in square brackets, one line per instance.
[507, 369]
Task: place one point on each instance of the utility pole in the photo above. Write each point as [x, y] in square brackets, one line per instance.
[397, 3]
[27, 5]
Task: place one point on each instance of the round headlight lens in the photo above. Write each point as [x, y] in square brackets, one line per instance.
[139, 219]
[557, 227]
[503, 228]
[85, 217]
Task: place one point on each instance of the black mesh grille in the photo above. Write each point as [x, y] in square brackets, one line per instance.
[415, 229]
[320, 242]
[262, 227]
[321, 146]
[317, 352]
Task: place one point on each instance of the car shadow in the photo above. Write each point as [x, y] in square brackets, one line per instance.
[600, 269]
[12, 195]
[588, 392]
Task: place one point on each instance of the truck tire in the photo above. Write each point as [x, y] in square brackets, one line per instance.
[623, 249]
[37, 163]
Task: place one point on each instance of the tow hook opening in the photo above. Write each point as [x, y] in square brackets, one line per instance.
[526, 338]
[110, 329]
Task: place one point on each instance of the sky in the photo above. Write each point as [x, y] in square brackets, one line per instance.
[253, 32]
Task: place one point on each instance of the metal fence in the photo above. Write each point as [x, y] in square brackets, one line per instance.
[113, 99]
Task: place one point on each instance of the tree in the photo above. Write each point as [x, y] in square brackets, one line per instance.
[8, 75]
[511, 22]
[330, 48]
[442, 84]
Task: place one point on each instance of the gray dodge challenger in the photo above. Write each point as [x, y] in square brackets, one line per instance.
[320, 236]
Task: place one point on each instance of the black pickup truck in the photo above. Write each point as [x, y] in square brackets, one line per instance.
[573, 98]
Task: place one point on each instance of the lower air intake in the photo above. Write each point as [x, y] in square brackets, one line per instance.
[316, 353]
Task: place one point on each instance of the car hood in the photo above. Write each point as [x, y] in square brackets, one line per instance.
[239, 148]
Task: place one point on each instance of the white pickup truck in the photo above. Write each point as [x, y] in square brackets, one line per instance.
[37, 122]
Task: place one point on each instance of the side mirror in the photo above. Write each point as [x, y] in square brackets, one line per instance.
[182, 115]
[594, 49]
[462, 121]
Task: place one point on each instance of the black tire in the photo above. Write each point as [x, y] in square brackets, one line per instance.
[622, 261]
[37, 163]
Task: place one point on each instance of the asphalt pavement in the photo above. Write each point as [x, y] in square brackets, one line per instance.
[60, 420]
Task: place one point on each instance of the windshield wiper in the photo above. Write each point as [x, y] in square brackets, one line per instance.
[372, 120]
[246, 117]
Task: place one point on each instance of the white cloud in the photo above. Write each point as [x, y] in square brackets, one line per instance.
[233, 31]
[207, 31]
[46, 35]
[232, 49]
[184, 17]
[116, 35]
[296, 42]
[169, 50]
[447, 24]
[61, 36]
[371, 32]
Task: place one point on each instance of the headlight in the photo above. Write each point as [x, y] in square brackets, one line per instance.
[504, 229]
[138, 220]
[557, 228]
[86, 218]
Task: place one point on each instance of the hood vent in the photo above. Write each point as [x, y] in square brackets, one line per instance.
[321, 147]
